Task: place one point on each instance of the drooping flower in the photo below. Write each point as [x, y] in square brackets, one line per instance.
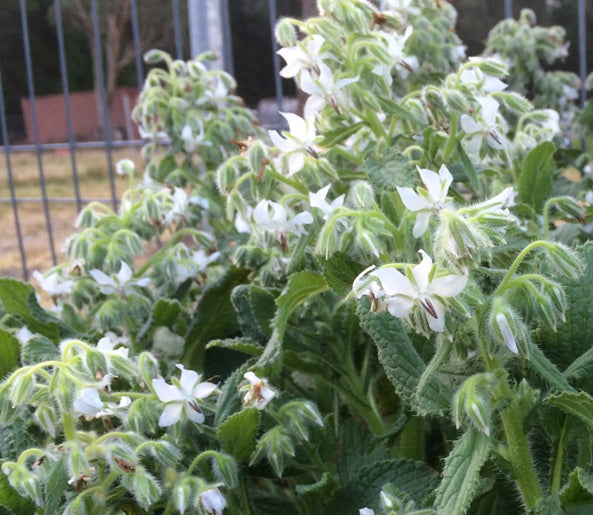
[483, 83]
[122, 283]
[487, 126]
[324, 89]
[88, 403]
[303, 55]
[53, 283]
[507, 333]
[400, 294]
[258, 393]
[273, 217]
[182, 396]
[317, 200]
[297, 143]
[395, 48]
[212, 501]
[429, 200]
[196, 264]
[192, 140]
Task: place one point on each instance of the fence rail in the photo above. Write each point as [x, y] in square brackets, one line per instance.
[108, 144]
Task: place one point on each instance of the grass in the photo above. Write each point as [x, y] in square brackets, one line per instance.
[94, 183]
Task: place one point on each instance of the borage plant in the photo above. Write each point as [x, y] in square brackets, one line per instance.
[382, 308]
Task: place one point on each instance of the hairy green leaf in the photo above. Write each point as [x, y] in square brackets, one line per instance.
[237, 433]
[301, 287]
[461, 475]
[339, 271]
[11, 500]
[535, 182]
[402, 363]
[55, 485]
[546, 369]
[390, 170]
[241, 344]
[336, 136]
[578, 489]
[9, 350]
[578, 404]
[255, 309]
[214, 317]
[19, 299]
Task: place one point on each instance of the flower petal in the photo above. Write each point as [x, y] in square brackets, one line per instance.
[193, 412]
[436, 324]
[448, 285]
[187, 380]
[171, 414]
[203, 390]
[412, 200]
[421, 224]
[399, 306]
[421, 272]
[125, 273]
[394, 282]
[166, 392]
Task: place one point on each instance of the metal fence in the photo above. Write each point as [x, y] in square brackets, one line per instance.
[182, 33]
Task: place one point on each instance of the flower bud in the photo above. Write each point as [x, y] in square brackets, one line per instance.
[125, 167]
[470, 400]
[78, 466]
[22, 386]
[565, 260]
[493, 67]
[96, 363]
[276, 445]
[146, 488]
[182, 494]
[456, 101]
[226, 176]
[515, 102]
[46, 418]
[285, 33]
[23, 481]
[361, 195]
[251, 257]
[257, 157]
[509, 328]
[570, 206]
[225, 469]
[143, 415]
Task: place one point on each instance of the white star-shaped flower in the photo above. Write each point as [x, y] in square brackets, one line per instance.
[212, 501]
[487, 126]
[323, 89]
[306, 54]
[122, 283]
[181, 397]
[273, 217]
[88, 403]
[53, 284]
[429, 200]
[401, 294]
[395, 48]
[258, 393]
[318, 200]
[297, 143]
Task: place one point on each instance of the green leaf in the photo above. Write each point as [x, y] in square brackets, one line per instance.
[581, 366]
[535, 182]
[255, 309]
[471, 176]
[402, 363]
[412, 478]
[242, 344]
[546, 369]
[39, 349]
[577, 404]
[229, 401]
[336, 136]
[339, 271]
[569, 347]
[19, 299]
[11, 500]
[461, 475]
[238, 432]
[214, 317]
[578, 489]
[390, 170]
[9, 350]
[391, 107]
[301, 287]
[55, 485]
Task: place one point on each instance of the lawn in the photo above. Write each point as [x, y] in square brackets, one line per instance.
[93, 183]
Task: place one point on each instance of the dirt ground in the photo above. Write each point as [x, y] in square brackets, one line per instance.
[94, 183]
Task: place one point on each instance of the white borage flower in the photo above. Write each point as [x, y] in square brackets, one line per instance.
[366, 511]
[297, 143]
[88, 403]
[395, 48]
[212, 501]
[122, 283]
[23, 335]
[483, 83]
[306, 54]
[111, 409]
[487, 126]
[192, 140]
[273, 217]
[53, 283]
[317, 200]
[324, 89]
[257, 391]
[506, 333]
[182, 397]
[429, 200]
[195, 264]
[180, 203]
[400, 294]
